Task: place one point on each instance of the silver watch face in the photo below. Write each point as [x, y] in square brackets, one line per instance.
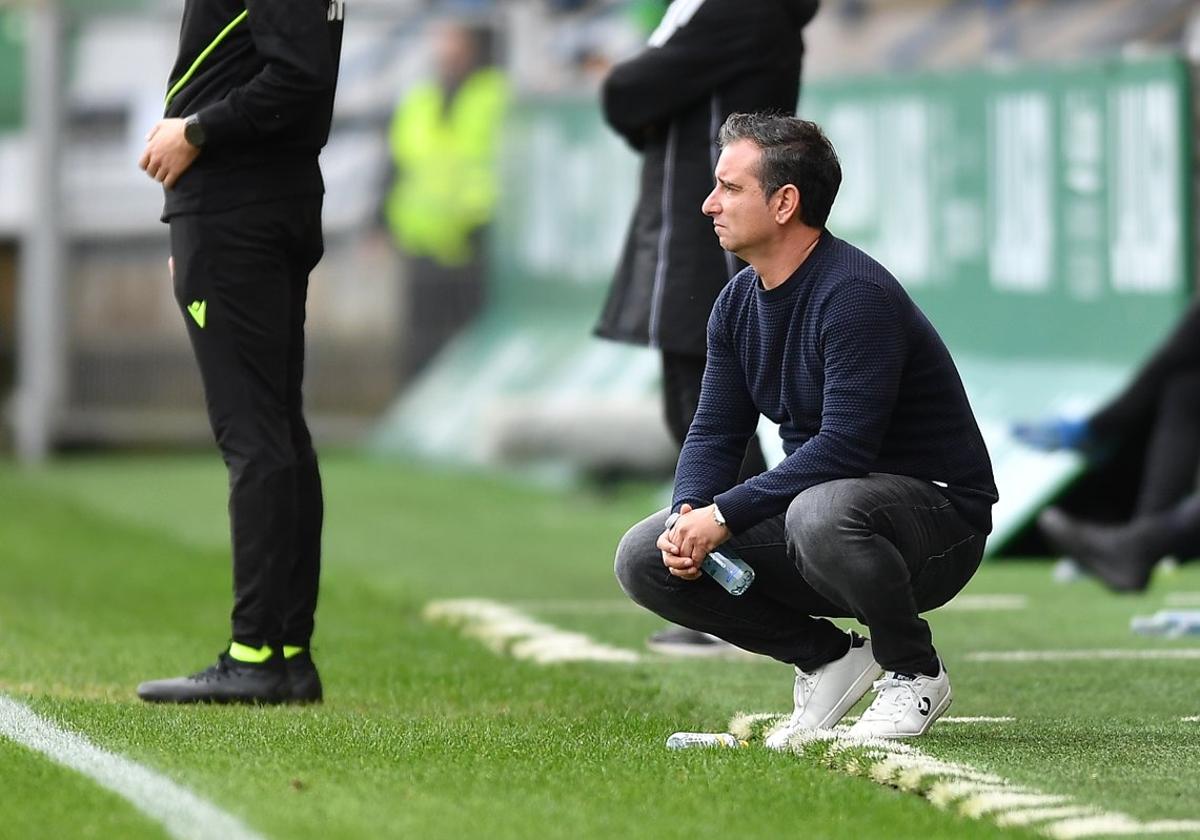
[718, 516]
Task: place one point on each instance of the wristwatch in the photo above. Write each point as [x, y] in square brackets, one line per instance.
[193, 132]
[718, 517]
[671, 520]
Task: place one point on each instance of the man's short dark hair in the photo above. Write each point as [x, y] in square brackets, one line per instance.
[794, 151]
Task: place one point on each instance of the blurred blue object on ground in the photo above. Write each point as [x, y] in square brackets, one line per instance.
[1054, 433]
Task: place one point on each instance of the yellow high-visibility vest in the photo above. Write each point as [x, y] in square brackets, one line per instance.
[445, 158]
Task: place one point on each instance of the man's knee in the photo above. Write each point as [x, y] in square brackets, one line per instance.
[819, 519]
[259, 461]
[257, 443]
[638, 557]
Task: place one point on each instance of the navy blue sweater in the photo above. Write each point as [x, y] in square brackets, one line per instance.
[854, 374]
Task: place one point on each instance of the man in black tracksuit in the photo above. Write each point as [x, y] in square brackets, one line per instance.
[708, 59]
[248, 111]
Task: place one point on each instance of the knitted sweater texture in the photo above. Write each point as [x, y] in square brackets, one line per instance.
[855, 375]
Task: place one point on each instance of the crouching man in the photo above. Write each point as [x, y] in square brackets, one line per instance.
[880, 509]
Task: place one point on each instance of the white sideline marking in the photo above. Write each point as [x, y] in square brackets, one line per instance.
[953, 719]
[963, 603]
[749, 725]
[1183, 599]
[1192, 719]
[1036, 815]
[951, 785]
[506, 630]
[1077, 655]
[744, 725]
[1004, 801]
[1108, 825]
[973, 603]
[182, 813]
[573, 606]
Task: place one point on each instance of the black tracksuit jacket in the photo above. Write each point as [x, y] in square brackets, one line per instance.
[668, 102]
[263, 95]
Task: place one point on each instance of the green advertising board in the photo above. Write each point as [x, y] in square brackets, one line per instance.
[569, 186]
[1040, 216]
[12, 70]
[1034, 213]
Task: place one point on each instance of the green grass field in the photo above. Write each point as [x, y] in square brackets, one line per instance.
[114, 570]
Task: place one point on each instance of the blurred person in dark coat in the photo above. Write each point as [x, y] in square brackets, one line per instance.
[1162, 405]
[706, 60]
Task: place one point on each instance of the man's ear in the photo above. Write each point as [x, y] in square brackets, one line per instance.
[787, 204]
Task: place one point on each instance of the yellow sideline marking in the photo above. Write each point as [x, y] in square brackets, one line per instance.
[508, 631]
[954, 786]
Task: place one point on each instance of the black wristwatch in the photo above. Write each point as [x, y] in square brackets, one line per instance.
[193, 132]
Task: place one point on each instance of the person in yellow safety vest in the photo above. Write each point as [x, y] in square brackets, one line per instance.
[443, 141]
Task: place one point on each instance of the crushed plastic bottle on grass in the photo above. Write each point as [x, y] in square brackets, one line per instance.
[693, 740]
[1170, 624]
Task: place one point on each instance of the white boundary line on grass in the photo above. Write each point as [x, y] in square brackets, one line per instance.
[182, 813]
[580, 606]
[1107, 655]
[963, 603]
[1183, 599]
[958, 787]
[946, 719]
[506, 630]
[985, 603]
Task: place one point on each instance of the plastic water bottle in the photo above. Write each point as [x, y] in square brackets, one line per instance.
[729, 570]
[1170, 624]
[692, 740]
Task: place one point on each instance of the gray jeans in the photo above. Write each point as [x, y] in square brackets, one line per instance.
[881, 549]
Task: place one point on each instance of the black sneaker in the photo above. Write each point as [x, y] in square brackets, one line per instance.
[1119, 556]
[304, 683]
[228, 681]
[683, 641]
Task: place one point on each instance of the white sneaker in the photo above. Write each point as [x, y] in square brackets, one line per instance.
[905, 706]
[825, 695]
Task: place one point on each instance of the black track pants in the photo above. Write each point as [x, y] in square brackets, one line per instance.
[241, 280]
[1165, 395]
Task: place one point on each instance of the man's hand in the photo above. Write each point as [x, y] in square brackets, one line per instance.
[168, 153]
[693, 536]
[697, 532]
